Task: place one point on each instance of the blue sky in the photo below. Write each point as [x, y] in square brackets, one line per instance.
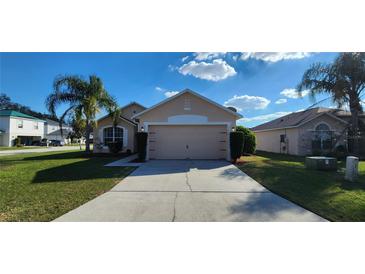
[251, 82]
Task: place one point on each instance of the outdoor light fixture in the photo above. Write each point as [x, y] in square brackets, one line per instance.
[142, 129]
[233, 129]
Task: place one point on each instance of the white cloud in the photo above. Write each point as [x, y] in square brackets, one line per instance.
[200, 56]
[170, 93]
[293, 93]
[184, 58]
[215, 71]
[273, 57]
[245, 102]
[265, 117]
[281, 101]
[159, 89]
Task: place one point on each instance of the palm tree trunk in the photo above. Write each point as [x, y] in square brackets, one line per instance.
[87, 136]
[354, 108]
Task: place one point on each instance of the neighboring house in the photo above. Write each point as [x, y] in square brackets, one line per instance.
[52, 131]
[124, 132]
[14, 124]
[308, 132]
[184, 126]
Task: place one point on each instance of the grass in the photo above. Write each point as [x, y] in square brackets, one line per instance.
[44, 186]
[323, 192]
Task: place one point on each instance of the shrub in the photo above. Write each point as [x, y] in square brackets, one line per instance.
[141, 145]
[236, 144]
[129, 152]
[250, 140]
[341, 152]
[115, 147]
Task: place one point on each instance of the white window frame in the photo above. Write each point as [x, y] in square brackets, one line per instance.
[125, 135]
[35, 125]
[20, 123]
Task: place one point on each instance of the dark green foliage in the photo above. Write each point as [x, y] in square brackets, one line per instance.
[236, 144]
[249, 140]
[115, 147]
[142, 145]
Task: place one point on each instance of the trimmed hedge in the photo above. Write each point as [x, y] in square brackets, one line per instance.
[115, 147]
[142, 145]
[236, 144]
[250, 140]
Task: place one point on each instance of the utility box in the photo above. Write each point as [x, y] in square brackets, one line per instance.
[321, 163]
[352, 168]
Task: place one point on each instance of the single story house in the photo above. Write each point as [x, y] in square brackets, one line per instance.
[309, 132]
[184, 126]
[14, 124]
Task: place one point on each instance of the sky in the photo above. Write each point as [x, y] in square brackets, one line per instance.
[261, 86]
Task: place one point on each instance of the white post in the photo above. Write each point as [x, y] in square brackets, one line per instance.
[352, 171]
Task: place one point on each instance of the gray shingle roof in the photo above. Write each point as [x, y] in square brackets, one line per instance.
[297, 118]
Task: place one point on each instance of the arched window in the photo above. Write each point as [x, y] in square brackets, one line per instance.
[322, 127]
[112, 134]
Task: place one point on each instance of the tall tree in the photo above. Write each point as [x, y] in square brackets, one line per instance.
[85, 98]
[344, 81]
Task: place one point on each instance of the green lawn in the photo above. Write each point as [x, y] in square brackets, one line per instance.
[43, 186]
[323, 192]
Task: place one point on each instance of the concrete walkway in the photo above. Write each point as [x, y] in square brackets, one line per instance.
[189, 191]
[125, 162]
[32, 150]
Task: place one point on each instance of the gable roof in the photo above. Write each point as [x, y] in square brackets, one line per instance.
[180, 94]
[299, 118]
[122, 117]
[133, 103]
[14, 113]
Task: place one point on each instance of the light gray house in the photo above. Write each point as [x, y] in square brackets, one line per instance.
[308, 132]
[28, 129]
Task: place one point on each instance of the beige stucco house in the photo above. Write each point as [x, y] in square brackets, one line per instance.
[185, 126]
[306, 132]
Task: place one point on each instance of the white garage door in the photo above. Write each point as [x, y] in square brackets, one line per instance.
[187, 142]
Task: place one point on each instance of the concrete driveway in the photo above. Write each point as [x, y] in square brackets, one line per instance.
[189, 190]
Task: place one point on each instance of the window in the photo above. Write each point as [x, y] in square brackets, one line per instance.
[35, 125]
[20, 123]
[282, 138]
[112, 134]
[322, 127]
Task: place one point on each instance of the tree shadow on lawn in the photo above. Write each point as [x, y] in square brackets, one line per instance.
[89, 166]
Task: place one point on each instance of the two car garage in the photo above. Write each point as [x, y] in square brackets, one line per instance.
[187, 142]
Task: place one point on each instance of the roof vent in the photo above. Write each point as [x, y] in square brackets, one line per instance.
[232, 108]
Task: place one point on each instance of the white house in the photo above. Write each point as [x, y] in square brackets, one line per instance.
[14, 124]
[52, 131]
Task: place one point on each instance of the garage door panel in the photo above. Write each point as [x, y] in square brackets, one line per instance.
[187, 142]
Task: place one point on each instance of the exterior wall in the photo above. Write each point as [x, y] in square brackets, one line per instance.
[5, 127]
[131, 110]
[198, 107]
[129, 135]
[306, 133]
[27, 130]
[299, 139]
[52, 131]
[270, 141]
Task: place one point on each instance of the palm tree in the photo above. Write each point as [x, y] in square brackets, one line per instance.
[344, 81]
[85, 100]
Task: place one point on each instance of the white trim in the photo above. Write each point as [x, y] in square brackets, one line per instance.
[322, 122]
[227, 124]
[180, 94]
[101, 135]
